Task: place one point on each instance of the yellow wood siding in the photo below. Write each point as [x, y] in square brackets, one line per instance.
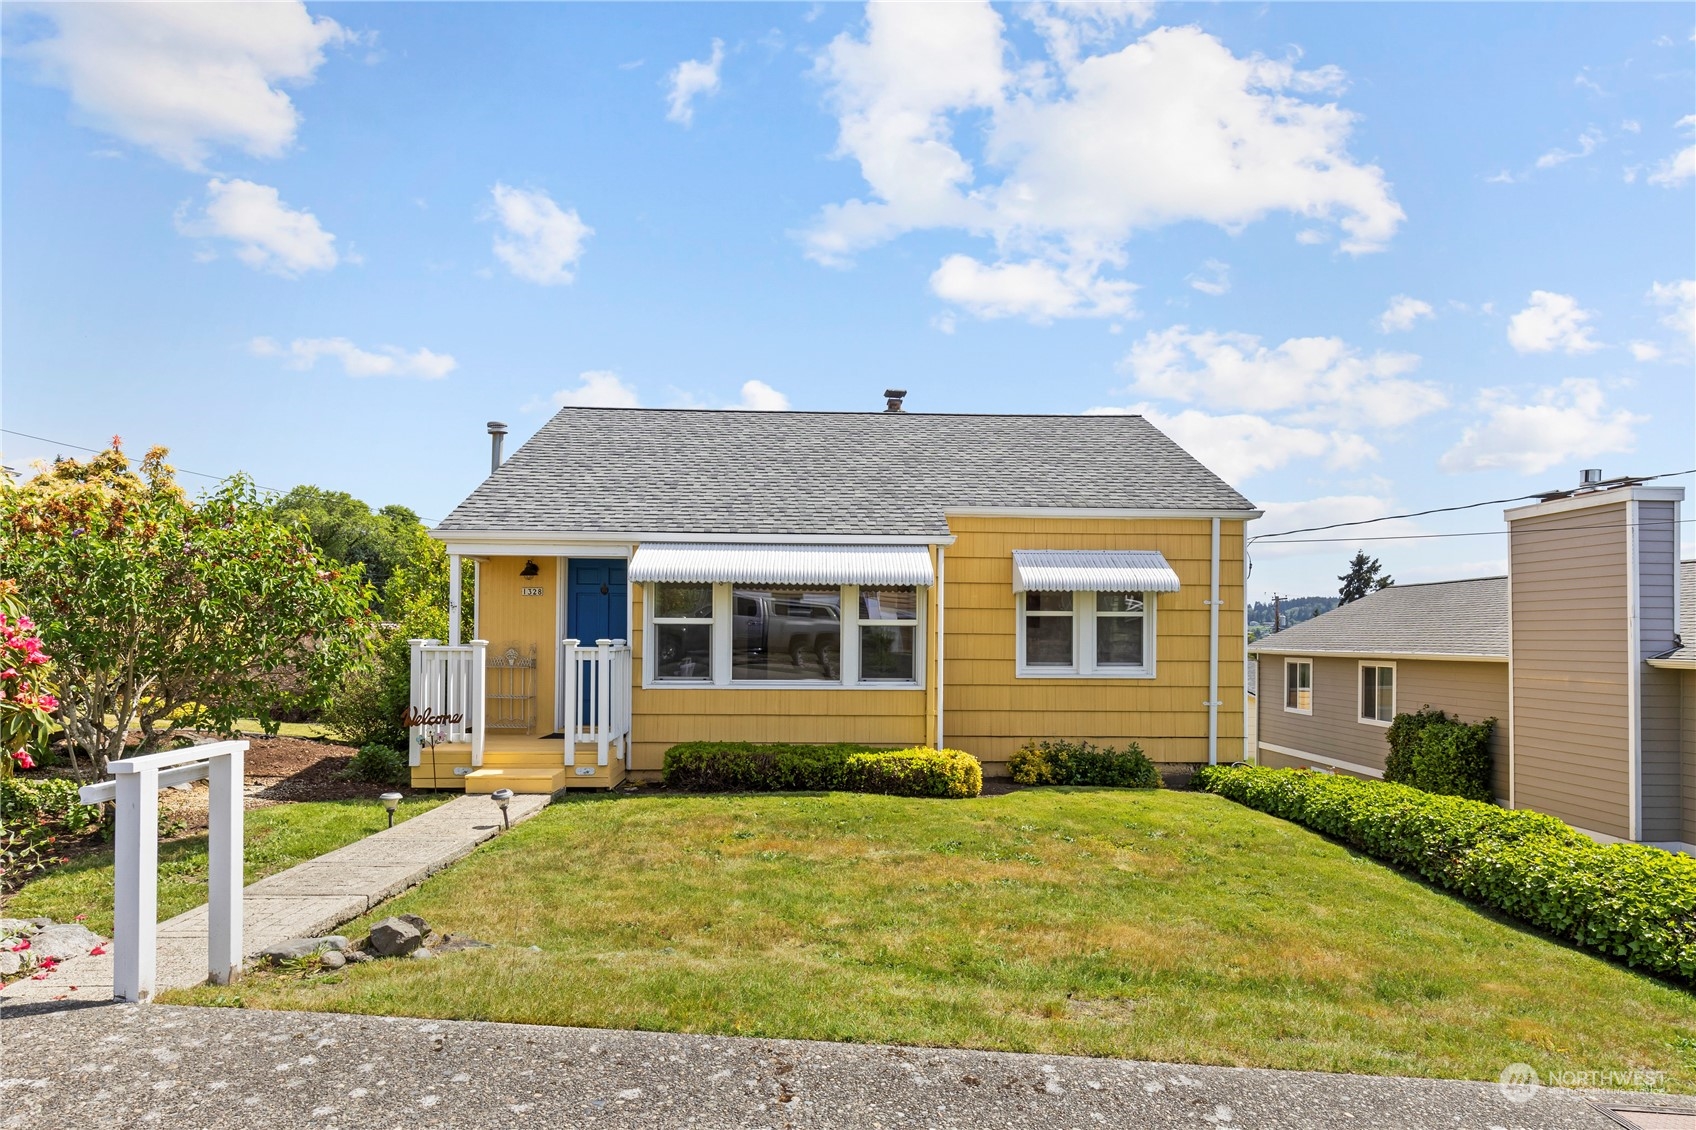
[989, 712]
[662, 717]
[507, 618]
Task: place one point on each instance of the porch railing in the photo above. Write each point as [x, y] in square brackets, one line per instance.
[448, 688]
[596, 684]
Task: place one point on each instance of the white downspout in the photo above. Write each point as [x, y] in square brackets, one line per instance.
[941, 599]
[1213, 655]
[453, 600]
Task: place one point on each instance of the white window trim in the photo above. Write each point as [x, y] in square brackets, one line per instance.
[1084, 665]
[1285, 689]
[849, 654]
[1360, 691]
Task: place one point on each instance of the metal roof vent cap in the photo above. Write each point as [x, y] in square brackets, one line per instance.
[497, 433]
[1590, 476]
[894, 396]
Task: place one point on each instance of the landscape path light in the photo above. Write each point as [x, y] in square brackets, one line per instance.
[503, 797]
[391, 801]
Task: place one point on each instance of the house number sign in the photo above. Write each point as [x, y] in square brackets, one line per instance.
[530, 590]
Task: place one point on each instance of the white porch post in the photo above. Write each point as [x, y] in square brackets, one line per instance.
[603, 701]
[224, 849]
[453, 600]
[414, 737]
[571, 695]
[478, 706]
[135, 880]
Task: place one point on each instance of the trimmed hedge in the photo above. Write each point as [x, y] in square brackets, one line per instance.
[777, 767]
[1629, 901]
[1080, 763]
[1431, 751]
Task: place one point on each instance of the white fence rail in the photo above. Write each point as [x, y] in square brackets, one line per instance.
[135, 786]
[596, 687]
[448, 691]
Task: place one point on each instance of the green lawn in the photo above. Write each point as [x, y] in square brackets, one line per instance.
[277, 837]
[1168, 926]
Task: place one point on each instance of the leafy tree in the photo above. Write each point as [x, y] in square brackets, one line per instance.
[1365, 575]
[348, 532]
[163, 613]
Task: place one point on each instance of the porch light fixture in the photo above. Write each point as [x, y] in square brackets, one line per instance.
[502, 798]
[529, 570]
[391, 801]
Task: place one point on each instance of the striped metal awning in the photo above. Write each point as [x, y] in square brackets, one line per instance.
[783, 564]
[1092, 570]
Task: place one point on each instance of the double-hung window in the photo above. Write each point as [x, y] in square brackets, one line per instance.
[1378, 693]
[1086, 633]
[1298, 686]
[749, 634]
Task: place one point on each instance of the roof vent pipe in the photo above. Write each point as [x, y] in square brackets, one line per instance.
[894, 396]
[1590, 476]
[497, 433]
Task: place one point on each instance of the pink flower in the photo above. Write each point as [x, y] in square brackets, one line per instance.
[23, 944]
[97, 951]
[24, 760]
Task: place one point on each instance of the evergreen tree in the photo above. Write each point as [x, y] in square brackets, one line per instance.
[1365, 575]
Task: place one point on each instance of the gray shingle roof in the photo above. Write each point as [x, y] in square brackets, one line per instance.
[1686, 612]
[684, 471]
[1444, 618]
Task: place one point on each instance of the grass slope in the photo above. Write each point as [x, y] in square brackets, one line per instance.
[1168, 926]
[276, 838]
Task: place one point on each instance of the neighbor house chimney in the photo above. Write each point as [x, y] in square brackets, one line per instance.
[895, 396]
[497, 433]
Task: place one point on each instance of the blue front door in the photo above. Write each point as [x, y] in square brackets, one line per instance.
[596, 608]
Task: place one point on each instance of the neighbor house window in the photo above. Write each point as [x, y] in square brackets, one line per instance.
[683, 632]
[785, 635]
[1101, 634]
[1298, 686]
[1377, 693]
[889, 629]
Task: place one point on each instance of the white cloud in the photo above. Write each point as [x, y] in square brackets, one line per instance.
[1679, 299]
[1088, 146]
[542, 242]
[1681, 166]
[1040, 291]
[597, 388]
[1587, 143]
[1631, 125]
[180, 79]
[1311, 379]
[757, 396]
[1402, 313]
[1569, 421]
[268, 234]
[1645, 351]
[1213, 278]
[1241, 445]
[692, 79]
[1552, 321]
[386, 361]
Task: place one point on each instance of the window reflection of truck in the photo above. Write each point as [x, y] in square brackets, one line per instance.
[769, 624]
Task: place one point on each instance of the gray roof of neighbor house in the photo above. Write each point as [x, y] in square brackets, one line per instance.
[1686, 613]
[1444, 618]
[875, 474]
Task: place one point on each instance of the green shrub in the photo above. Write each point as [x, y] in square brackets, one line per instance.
[378, 764]
[1629, 901]
[34, 814]
[775, 767]
[1431, 751]
[1080, 763]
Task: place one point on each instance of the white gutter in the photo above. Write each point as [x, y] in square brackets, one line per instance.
[1443, 656]
[1633, 675]
[941, 604]
[1213, 656]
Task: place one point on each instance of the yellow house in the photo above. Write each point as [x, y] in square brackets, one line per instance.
[647, 577]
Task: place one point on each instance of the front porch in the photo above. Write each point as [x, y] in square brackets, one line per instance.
[518, 762]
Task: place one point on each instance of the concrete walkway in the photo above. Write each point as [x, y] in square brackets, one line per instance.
[309, 899]
[157, 1065]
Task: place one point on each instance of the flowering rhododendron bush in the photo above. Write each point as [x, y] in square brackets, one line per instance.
[25, 705]
[163, 612]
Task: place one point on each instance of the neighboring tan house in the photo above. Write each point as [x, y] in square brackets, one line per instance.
[648, 577]
[1581, 654]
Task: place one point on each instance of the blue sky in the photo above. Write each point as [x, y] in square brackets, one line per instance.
[1362, 259]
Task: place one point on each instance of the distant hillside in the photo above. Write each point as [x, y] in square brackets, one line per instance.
[1292, 610]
